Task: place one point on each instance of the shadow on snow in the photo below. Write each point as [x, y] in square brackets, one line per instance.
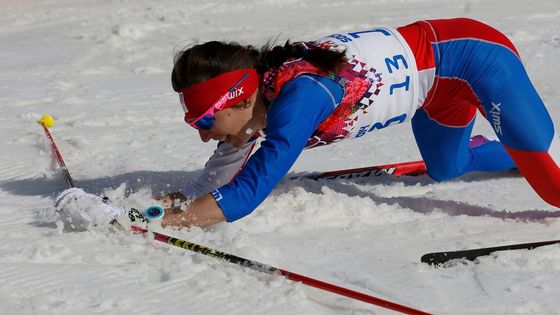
[351, 187]
[169, 181]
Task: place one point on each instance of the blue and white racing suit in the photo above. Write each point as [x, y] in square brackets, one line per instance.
[437, 74]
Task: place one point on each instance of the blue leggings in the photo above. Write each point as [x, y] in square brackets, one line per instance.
[448, 154]
[478, 68]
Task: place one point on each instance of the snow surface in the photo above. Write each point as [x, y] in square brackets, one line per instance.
[102, 69]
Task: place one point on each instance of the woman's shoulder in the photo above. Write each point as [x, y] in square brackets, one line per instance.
[314, 86]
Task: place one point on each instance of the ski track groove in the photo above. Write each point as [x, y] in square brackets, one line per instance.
[15, 166]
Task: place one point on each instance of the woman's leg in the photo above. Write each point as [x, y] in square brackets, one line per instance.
[489, 64]
[447, 153]
[524, 126]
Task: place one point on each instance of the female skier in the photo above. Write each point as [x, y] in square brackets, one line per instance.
[435, 73]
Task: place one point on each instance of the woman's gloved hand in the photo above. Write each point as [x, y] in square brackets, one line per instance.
[80, 210]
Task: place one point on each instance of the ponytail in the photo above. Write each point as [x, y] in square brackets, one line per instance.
[326, 60]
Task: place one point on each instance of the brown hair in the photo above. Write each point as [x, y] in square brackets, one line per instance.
[201, 62]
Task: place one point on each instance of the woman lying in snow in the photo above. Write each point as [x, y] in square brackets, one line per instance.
[435, 73]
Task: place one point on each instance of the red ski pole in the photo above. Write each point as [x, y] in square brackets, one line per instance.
[255, 265]
[413, 168]
[46, 122]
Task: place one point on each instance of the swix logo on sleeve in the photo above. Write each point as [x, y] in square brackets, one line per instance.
[496, 118]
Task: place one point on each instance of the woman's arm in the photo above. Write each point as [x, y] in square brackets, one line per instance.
[202, 212]
[223, 165]
[302, 105]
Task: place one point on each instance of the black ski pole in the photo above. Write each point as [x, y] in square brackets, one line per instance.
[439, 258]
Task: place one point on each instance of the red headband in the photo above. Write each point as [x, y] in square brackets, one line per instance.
[198, 98]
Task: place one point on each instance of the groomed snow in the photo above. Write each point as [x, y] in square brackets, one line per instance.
[102, 69]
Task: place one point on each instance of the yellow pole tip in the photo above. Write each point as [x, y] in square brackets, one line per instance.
[46, 120]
